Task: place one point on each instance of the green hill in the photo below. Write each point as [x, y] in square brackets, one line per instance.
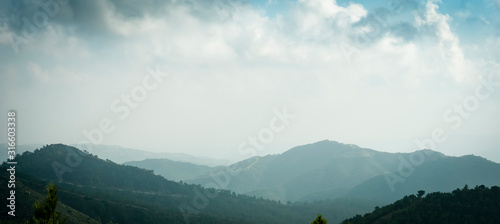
[103, 191]
[324, 169]
[443, 175]
[478, 205]
[26, 197]
[109, 192]
[329, 169]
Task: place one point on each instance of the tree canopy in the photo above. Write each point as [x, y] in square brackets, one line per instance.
[319, 220]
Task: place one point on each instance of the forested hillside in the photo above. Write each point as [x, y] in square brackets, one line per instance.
[478, 205]
[109, 192]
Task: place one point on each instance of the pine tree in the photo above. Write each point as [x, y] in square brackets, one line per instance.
[319, 220]
[45, 211]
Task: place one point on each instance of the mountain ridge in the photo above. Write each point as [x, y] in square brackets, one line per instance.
[324, 169]
[107, 191]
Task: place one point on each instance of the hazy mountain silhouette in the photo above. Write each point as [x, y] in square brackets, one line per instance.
[443, 175]
[172, 170]
[329, 169]
[121, 155]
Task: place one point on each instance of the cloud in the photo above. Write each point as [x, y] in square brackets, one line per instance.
[231, 64]
[38, 72]
[405, 30]
[432, 22]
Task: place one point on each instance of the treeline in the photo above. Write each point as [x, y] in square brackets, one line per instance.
[478, 205]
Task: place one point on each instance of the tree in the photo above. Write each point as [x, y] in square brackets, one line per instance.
[319, 220]
[45, 211]
[421, 193]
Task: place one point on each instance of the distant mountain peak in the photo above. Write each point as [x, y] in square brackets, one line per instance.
[329, 148]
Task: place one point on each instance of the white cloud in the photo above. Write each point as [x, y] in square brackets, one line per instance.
[37, 72]
[448, 42]
[230, 69]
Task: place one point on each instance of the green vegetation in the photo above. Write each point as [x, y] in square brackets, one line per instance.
[45, 211]
[329, 169]
[312, 172]
[109, 192]
[443, 175]
[26, 197]
[93, 190]
[478, 205]
[319, 220]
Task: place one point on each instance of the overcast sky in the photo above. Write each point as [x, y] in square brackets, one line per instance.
[201, 77]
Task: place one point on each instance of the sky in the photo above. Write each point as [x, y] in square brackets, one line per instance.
[234, 79]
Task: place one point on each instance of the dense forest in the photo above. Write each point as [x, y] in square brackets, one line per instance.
[478, 205]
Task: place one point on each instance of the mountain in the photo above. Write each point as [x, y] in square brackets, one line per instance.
[121, 155]
[333, 179]
[442, 175]
[478, 205]
[329, 169]
[110, 192]
[325, 169]
[172, 170]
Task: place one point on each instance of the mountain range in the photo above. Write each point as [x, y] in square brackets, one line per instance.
[327, 177]
[121, 155]
[172, 170]
[108, 192]
[329, 169]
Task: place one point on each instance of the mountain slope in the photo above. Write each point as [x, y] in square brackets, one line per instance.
[61, 163]
[121, 155]
[26, 197]
[108, 191]
[325, 169]
[443, 175]
[172, 170]
[19, 150]
[478, 205]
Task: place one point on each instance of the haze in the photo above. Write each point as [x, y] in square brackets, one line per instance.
[201, 77]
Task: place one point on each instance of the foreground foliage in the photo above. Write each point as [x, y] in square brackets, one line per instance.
[319, 220]
[45, 211]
